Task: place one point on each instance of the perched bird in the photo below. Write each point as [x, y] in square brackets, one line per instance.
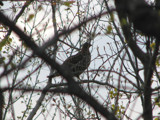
[77, 63]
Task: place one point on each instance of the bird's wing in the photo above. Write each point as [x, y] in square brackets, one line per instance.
[74, 59]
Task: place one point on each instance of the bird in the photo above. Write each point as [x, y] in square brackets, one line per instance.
[77, 63]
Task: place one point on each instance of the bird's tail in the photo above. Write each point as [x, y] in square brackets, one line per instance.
[53, 75]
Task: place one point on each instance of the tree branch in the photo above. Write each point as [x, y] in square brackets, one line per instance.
[128, 35]
[73, 87]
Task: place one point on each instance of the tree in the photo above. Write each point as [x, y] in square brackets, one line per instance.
[123, 72]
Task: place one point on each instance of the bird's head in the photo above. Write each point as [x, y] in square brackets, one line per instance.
[86, 46]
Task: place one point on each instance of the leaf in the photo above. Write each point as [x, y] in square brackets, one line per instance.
[152, 46]
[31, 16]
[157, 61]
[123, 21]
[109, 29]
[5, 42]
[68, 3]
[156, 118]
[112, 17]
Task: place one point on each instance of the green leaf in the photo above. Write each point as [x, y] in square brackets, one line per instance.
[109, 29]
[156, 118]
[68, 3]
[123, 21]
[5, 42]
[31, 16]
